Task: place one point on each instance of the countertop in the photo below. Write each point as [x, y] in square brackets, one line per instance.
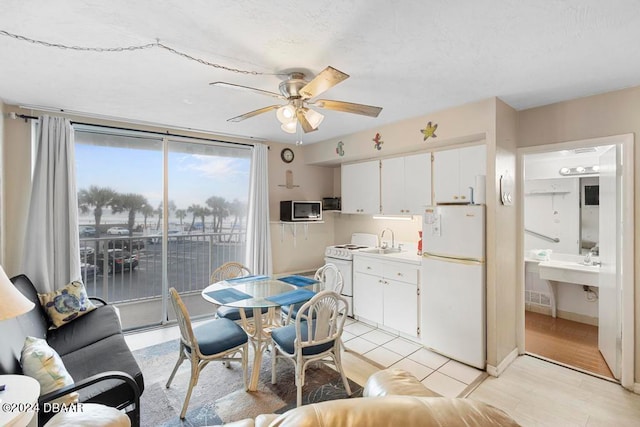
[404, 256]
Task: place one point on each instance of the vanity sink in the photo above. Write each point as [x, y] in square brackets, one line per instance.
[570, 272]
[381, 251]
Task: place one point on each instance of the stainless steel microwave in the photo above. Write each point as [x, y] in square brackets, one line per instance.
[294, 210]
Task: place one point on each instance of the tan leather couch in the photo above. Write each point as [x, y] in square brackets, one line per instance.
[391, 397]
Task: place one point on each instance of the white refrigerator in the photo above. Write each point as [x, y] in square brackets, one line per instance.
[452, 300]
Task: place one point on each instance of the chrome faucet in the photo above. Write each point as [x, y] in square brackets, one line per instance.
[393, 241]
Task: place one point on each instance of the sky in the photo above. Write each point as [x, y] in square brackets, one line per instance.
[193, 178]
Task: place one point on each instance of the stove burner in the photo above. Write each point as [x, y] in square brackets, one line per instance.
[350, 247]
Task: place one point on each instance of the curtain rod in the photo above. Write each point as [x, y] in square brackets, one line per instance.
[13, 115]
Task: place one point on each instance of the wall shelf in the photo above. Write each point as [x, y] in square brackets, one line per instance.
[293, 227]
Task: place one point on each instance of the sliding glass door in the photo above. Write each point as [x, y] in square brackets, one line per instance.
[157, 212]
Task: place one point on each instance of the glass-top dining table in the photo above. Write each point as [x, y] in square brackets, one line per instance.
[257, 293]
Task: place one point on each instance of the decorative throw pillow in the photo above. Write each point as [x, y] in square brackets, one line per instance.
[66, 304]
[43, 363]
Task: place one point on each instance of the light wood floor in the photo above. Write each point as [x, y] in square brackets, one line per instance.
[571, 343]
[539, 393]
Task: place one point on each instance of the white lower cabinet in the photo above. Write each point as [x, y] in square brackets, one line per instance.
[386, 292]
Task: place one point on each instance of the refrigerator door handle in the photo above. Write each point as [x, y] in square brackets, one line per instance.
[465, 261]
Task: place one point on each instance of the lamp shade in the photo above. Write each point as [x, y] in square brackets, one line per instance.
[286, 113]
[12, 302]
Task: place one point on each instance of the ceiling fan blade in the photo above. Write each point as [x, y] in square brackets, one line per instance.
[306, 126]
[253, 113]
[252, 89]
[348, 107]
[325, 80]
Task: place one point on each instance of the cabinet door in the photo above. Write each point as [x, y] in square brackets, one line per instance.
[392, 186]
[401, 306]
[446, 176]
[417, 183]
[367, 297]
[472, 162]
[361, 187]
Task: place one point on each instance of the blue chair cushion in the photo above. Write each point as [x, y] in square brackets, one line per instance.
[233, 313]
[219, 335]
[286, 336]
[294, 312]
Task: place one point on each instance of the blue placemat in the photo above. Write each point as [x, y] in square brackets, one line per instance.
[225, 296]
[247, 279]
[298, 280]
[292, 297]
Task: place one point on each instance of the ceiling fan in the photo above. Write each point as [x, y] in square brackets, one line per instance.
[298, 93]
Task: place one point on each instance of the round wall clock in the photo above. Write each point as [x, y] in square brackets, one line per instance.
[286, 155]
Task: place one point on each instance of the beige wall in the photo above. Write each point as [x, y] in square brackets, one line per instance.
[466, 123]
[305, 251]
[501, 242]
[612, 113]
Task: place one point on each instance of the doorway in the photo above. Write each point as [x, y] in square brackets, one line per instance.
[576, 209]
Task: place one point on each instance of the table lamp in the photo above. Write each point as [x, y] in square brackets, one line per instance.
[12, 302]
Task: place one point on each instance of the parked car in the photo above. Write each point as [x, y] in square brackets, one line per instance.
[87, 254]
[88, 272]
[126, 244]
[87, 231]
[118, 260]
[171, 235]
[120, 231]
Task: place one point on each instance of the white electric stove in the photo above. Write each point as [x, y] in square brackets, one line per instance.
[342, 257]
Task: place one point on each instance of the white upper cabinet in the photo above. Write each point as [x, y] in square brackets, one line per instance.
[361, 187]
[406, 184]
[455, 171]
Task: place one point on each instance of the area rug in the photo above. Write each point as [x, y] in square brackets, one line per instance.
[219, 397]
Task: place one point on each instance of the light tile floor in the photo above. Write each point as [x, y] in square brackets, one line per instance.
[441, 374]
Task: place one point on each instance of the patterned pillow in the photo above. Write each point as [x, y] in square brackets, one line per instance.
[66, 304]
[43, 363]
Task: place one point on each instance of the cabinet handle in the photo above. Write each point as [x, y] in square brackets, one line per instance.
[368, 268]
[400, 274]
[455, 197]
[463, 197]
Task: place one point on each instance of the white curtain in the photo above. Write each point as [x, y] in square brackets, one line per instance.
[258, 234]
[51, 258]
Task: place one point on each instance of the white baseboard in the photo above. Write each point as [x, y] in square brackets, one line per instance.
[496, 371]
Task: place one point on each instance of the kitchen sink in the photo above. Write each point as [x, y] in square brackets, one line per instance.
[381, 251]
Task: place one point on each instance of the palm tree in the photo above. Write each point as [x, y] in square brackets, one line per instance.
[98, 198]
[219, 209]
[238, 209]
[147, 211]
[160, 210]
[196, 211]
[180, 214]
[132, 203]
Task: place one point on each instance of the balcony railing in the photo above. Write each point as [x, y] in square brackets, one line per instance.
[132, 268]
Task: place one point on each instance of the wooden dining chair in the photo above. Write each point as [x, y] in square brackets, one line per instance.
[219, 339]
[313, 337]
[329, 278]
[231, 270]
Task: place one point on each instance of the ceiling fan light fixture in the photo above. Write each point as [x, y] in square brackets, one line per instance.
[286, 113]
[290, 126]
[313, 117]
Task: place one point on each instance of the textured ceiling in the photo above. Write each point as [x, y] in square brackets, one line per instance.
[410, 57]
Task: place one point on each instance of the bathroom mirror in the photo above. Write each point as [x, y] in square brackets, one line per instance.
[561, 200]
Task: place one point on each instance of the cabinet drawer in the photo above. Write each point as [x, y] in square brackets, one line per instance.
[368, 266]
[401, 272]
